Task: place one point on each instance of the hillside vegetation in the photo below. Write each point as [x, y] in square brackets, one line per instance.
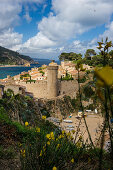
[9, 57]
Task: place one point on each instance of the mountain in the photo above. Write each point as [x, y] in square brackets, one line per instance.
[9, 57]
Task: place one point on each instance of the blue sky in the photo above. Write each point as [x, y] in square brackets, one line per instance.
[45, 28]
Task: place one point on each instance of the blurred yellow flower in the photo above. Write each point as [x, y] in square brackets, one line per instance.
[26, 123]
[63, 132]
[44, 117]
[37, 129]
[48, 136]
[40, 153]
[48, 143]
[58, 145]
[52, 135]
[19, 144]
[54, 168]
[69, 134]
[80, 137]
[73, 131]
[105, 75]
[72, 160]
[22, 152]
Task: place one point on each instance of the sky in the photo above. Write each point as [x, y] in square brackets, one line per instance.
[46, 28]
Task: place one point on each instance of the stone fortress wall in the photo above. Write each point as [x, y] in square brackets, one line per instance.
[48, 89]
[39, 88]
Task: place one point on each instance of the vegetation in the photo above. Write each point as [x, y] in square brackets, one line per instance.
[67, 77]
[24, 75]
[9, 57]
[44, 146]
[70, 56]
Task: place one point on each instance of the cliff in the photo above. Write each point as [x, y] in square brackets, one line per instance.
[9, 57]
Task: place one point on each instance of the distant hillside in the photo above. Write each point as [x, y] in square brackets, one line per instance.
[9, 57]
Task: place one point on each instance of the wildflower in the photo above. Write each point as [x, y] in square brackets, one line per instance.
[44, 117]
[58, 145]
[72, 160]
[61, 136]
[56, 139]
[63, 132]
[48, 143]
[48, 136]
[79, 144]
[73, 131]
[80, 137]
[26, 123]
[69, 134]
[22, 152]
[20, 144]
[40, 153]
[52, 135]
[71, 137]
[54, 168]
[38, 129]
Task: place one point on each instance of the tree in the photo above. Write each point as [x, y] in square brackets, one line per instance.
[90, 53]
[70, 56]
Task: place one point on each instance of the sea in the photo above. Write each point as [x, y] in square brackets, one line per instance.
[12, 71]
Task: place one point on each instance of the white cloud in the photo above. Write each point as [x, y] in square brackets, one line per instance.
[68, 19]
[9, 12]
[9, 39]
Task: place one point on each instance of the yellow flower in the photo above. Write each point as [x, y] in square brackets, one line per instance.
[79, 144]
[44, 117]
[80, 137]
[48, 143]
[69, 134]
[52, 135]
[37, 129]
[26, 123]
[72, 160]
[58, 145]
[63, 132]
[54, 168]
[40, 153]
[22, 152]
[73, 131]
[105, 75]
[20, 144]
[61, 136]
[48, 136]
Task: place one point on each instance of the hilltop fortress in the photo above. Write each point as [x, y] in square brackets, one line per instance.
[45, 82]
[51, 87]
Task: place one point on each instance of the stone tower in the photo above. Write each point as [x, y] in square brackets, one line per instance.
[52, 80]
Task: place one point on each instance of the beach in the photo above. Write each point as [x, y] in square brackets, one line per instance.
[94, 123]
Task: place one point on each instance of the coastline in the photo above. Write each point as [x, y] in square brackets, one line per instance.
[13, 66]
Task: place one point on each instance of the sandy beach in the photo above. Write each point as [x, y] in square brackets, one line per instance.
[94, 123]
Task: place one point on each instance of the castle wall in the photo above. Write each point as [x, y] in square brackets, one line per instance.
[68, 88]
[39, 88]
[12, 87]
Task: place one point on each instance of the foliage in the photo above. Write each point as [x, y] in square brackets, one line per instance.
[42, 72]
[25, 75]
[70, 56]
[10, 57]
[67, 77]
[90, 53]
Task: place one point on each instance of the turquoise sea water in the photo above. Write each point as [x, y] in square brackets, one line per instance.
[12, 71]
